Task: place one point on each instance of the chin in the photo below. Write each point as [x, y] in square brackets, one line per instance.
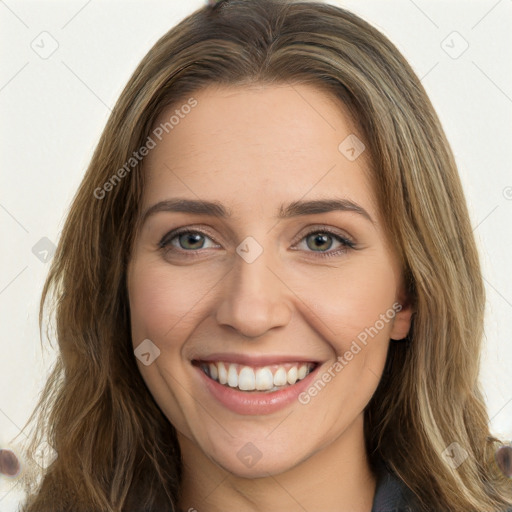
[260, 469]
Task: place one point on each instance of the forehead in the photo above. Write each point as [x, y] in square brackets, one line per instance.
[245, 144]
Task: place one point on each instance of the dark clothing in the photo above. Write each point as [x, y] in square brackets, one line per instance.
[391, 494]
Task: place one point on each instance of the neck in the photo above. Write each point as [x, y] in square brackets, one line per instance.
[335, 477]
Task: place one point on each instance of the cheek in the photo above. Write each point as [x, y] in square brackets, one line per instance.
[350, 299]
[163, 303]
[162, 310]
[355, 307]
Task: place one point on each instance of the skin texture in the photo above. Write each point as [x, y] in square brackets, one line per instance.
[253, 149]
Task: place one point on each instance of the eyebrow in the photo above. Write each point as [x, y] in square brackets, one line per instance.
[293, 209]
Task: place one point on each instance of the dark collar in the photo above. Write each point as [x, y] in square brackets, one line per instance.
[391, 493]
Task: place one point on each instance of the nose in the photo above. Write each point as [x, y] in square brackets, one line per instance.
[253, 298]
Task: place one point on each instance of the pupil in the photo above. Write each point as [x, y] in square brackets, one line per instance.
[321, 239]
[192, 238]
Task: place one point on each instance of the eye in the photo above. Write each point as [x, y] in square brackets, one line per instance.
[186, 239]
[318, 240]
[322, 240]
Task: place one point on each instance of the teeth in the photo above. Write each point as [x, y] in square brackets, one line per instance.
[223, 374]
[213, 371]
[232, 376]
[280, 377]
[267, 378]
[264, 379]
[292, 375]
[246, 379]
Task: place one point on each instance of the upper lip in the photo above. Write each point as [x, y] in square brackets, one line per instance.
[254, 360]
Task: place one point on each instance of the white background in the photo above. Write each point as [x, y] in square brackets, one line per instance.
[53, 110]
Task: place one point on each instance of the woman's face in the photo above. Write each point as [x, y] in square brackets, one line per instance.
[286, 269]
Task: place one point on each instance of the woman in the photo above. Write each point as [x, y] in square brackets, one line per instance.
[253, 369]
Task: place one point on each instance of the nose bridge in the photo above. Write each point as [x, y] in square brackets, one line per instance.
[252, 276]
[253, 299]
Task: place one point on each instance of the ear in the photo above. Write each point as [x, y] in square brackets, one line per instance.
[403, 318]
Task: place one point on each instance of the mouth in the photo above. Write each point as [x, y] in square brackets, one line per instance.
[249, 379]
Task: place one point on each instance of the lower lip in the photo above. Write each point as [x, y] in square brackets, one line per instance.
[255, 402]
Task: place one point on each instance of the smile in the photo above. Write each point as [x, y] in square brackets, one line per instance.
[270, 378]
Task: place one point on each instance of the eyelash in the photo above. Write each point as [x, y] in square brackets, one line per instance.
[347, 244]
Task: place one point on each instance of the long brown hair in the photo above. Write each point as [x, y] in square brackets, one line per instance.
[116, 451]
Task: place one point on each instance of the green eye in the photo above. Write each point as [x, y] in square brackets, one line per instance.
[319, 241]
[187, 240]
